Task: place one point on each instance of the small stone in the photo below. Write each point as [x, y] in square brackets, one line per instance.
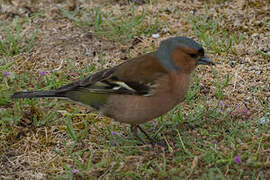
[264, 120]
[155, 36]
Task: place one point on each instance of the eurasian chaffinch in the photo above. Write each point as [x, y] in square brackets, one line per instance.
[137, 90]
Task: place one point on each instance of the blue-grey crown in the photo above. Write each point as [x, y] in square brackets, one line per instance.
[167, 46]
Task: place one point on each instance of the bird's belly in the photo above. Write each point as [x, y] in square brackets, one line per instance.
[138, 109]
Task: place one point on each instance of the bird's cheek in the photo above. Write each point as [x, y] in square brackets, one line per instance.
[194, 64]
[190, 66]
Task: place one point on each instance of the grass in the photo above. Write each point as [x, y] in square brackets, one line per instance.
[210, 31]
[120, 28]
[14, 41]
[219, 121]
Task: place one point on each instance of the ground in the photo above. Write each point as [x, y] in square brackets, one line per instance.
[220, 131]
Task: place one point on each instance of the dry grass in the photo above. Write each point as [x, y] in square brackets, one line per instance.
[39, 142]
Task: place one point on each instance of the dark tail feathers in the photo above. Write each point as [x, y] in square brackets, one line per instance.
[35, 94]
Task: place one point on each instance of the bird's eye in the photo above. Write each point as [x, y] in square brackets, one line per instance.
[193, 55]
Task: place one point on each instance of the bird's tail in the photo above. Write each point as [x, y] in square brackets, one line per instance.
[36, 94]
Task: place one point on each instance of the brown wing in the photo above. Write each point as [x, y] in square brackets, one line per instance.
[136, 76]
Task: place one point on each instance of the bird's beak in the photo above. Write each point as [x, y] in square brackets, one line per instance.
[205, 61]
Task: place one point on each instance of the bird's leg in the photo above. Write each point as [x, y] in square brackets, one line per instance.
[148, 137]
[134, 130]
[153, 141]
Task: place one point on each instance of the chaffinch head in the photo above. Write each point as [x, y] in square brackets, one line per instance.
[137, 90]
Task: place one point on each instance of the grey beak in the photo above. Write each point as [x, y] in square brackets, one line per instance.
[205, 61]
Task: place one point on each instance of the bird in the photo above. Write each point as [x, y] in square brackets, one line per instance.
[138, 90]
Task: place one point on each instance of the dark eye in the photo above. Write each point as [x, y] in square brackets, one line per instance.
[193, 55]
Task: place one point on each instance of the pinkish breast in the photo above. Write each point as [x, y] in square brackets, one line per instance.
[133, 109]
